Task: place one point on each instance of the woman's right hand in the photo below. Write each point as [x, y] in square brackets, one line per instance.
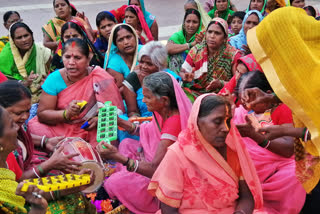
[73, 110]
[29, 79]
[38, 204]
[59, 161]
[110, 152]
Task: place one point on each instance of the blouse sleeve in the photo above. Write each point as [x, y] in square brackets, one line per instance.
[282, 115]
[171, 128]
[167, 182]
[132, 82]
[54, 84]
[116, 64]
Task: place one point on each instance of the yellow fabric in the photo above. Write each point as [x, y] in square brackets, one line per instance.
[20, 62]
[291, 63]
[205, 18]
[8, 188]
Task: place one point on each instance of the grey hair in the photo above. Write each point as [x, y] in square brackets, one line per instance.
[193, 2]
[160, 84]
[157, 53]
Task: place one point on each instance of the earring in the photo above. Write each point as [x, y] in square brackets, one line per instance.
[1, 148]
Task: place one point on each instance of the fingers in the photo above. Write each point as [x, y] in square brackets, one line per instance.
[69, 156]
[248, 120]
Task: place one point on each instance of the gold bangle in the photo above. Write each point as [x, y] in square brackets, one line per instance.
[65, 115]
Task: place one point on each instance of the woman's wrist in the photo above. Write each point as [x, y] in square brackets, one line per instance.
[65, 115]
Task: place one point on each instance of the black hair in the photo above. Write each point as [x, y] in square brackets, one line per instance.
[82, 45]
[318, 18]
[132, 10]
[7, 15]
[104, 15]
[1, 122]
[72, 25]
[17, 25]
[311, 10]
[130, 2]
[67, 1]
[211, 102]
[253, 79]
[11, 92]
[160, 84]
[239, 14]
[117, 29]
[220, 25]
[191, 11]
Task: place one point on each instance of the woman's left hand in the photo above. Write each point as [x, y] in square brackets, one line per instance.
[214, 84]
[110, 152]
[93, 123]
[92, 177]
[52, 142]
[33, 196]
[246, 129]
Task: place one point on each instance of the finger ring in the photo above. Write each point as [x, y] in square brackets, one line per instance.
[36, 195]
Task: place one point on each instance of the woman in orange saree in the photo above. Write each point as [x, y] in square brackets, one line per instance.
[208, 169]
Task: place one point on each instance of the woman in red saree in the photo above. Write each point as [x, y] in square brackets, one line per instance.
[208, 169]
[58, 113]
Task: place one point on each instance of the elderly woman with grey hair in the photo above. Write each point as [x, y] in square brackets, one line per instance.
[139, 159]
[152, 58]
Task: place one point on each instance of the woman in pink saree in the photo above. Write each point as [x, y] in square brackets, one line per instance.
[208, 169]
[171, 108]
[58, 112]
[274, 160]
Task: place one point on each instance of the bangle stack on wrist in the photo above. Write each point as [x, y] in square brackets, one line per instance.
[44, 141]
[65, 115]
[132, 165]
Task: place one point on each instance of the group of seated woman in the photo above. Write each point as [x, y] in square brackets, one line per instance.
[167, 163]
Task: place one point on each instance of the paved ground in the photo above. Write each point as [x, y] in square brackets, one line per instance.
[169, 13]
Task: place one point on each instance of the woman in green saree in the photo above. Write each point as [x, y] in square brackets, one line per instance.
[221, 9]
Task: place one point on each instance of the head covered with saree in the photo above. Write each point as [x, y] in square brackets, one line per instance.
[224, 15]
[262, 11]
[291, 64]
[206, 169]
[146, 34]
[241, 39]
[149, 18]
[113, 49]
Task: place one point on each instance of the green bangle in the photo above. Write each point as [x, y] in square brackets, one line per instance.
[40, 170]
[303, 133]
[264, 143]
[65, 115]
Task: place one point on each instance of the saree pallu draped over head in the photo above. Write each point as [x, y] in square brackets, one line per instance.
[207, 68]
[208, 184]
[113, 49]
[149, 18]
[53, 28]
[13, 66]
[96, 88]
[262, 11]
[10, 203]
[131, 188]
[228, 12]
[238, 41]
[291, 63]
[145, 35]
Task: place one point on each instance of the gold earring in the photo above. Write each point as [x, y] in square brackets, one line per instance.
[1, 148]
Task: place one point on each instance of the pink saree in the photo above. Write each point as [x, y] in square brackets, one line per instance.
[97, 87]
[131, 188]
[282, 192]
[195, 178]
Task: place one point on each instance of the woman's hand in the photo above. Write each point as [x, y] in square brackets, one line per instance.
[29, 79]
[255, 96]
[73, 109]
[62, 162]
[93, 123]
[52, 142]
[214, 84]
[275, 131]
[109, 152]
[198, 38]
[246, 129]
[33, 196]
[92, 177]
